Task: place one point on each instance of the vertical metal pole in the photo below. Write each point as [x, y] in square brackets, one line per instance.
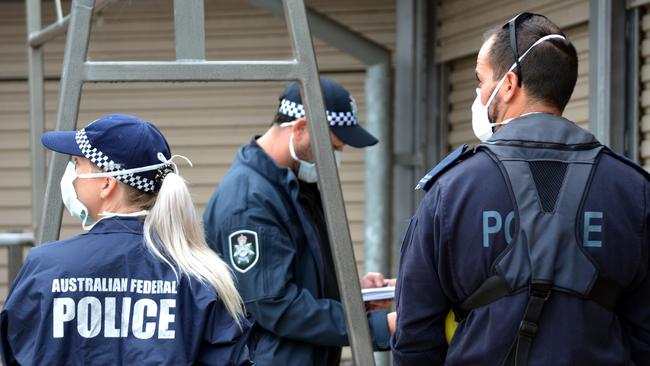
[76, 48]
[436, 104]
[189, 29]
[406, 157]
[378, 170]
[36, 111]
[632, 127]
[607, 72]
[421, 78]
[330, 189]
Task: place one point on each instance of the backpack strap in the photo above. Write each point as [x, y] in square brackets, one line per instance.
[494, 288]
[604, 293]
[450, 160]
[538, 294]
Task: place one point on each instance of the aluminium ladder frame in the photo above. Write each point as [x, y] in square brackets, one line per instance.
[190, 65]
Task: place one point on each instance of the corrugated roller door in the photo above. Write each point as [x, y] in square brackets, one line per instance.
[645, 89]
[462, 85]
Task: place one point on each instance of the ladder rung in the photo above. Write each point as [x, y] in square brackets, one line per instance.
[191, 70]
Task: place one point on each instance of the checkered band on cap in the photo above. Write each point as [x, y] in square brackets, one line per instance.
[105, 163]
[335, 119]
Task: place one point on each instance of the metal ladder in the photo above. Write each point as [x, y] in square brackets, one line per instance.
[190, 65]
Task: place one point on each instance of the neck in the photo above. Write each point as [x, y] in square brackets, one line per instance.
[118, 208]
[518, 111]
[275, 143]
[118, 202]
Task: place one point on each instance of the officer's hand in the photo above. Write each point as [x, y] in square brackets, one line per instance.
[374, 280]
[391, 318]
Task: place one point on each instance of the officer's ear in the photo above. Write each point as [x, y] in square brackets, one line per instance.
[301, 124]
[300, 129]
[108, 188]
[510, 86]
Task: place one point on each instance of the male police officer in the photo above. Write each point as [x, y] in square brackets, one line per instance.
[538, 238]
[266, 218]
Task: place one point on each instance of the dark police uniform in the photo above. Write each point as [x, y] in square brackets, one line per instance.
[103, 299]
[467, 226]
[256, 221]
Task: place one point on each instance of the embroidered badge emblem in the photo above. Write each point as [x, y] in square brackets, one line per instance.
[244, 250]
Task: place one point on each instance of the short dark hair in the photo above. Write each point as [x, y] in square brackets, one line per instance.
[549, 71]
[281, 118]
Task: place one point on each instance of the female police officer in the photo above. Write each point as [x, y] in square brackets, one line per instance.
[129, 291]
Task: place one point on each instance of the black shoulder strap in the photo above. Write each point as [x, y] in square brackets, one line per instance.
[455, 156]
[626, 160]
[538, 294]
[494, 288]
[604, 293]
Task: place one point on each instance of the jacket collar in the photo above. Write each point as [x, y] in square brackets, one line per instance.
[253, 156]
[118, 224]
[543, 128]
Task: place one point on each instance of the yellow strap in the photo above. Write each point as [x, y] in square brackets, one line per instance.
[450, 326]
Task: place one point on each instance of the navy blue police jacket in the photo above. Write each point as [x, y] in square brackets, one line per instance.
[281, 280]
[101, 298]
[465, 221]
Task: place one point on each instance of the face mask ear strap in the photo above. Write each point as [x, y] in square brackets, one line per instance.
[287, 124]
[169, 161]
[292, 149]
[85, 219]
[161, 157]
[496, 90]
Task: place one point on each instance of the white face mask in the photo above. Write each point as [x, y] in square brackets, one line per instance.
[480, 117]
[307, 170]
[70, 199]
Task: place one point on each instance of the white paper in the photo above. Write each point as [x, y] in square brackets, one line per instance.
[379, 293]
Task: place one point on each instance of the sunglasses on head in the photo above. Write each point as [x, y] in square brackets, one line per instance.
[512, 26]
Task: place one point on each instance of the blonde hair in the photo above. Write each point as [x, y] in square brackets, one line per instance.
[173, 233]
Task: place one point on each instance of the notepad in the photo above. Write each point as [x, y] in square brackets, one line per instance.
[379, 293]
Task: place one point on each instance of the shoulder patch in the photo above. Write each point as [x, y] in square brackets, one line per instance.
[244, 250]
[426, 182]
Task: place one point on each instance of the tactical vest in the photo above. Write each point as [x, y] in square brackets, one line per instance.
[548, 163]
